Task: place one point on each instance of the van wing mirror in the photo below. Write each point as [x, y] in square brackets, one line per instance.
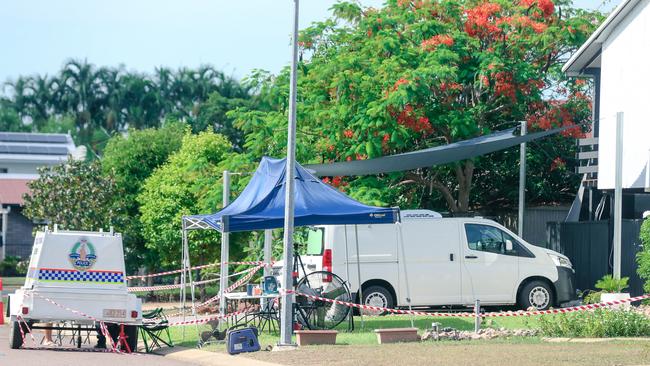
[508, 245]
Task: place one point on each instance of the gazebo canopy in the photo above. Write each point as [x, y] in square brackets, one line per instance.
[261, 205]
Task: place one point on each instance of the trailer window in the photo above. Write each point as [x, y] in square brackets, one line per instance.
[315, 241]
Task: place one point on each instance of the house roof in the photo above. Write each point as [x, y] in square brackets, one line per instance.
[35, 147]
[588, 54]
[12, 191]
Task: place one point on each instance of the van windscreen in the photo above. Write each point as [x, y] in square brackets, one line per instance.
[315, 241]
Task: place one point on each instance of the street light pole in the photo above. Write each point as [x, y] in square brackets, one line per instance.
[286, 316]
[522, 183]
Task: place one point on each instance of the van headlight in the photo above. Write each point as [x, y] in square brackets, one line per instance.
[561, 261]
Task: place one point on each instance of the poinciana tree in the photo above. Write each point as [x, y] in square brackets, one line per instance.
[417, 74]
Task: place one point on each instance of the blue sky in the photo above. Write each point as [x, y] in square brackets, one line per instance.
[37, 36]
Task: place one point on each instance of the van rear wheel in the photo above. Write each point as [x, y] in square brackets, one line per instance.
[536, 294]
[377, 296]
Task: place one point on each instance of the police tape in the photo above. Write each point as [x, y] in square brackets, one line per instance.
[206, 320]
[473, 315]
[170, 287]
[216, 298]
[175, 271]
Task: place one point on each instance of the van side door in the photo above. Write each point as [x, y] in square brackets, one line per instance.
[490, 271]
[432, 262]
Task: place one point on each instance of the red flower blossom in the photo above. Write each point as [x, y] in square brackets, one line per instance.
[408, 118]
[401, 81]
[326, 180]
[432, 43]
[481, 20]
[504, 86]
[336, 182]
[558, 163]
[546, 6]
[348, 133]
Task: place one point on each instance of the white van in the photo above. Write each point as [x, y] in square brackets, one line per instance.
[445, 261]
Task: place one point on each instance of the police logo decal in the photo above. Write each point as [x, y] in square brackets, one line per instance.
[82, 255]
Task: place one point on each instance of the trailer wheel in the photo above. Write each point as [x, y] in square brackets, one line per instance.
[15, 339]
[377, 296]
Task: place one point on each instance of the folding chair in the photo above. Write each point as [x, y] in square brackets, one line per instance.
[155, 327]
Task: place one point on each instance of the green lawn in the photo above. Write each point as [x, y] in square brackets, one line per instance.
[13, 281]
[364, 333]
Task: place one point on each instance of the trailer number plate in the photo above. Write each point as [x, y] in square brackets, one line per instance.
[114, 313]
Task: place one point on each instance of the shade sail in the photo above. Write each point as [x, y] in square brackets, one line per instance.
[429, 157]
[261, 205]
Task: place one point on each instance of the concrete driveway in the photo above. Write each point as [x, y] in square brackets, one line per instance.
[67, 358]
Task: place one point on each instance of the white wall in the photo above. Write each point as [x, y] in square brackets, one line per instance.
[625, 87]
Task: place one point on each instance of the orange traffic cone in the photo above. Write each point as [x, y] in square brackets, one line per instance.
[2, 309]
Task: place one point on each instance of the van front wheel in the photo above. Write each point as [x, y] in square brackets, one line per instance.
[379, 297]
[536, 294]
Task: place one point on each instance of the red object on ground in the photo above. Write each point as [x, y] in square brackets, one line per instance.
[124, 345]
[2, 308]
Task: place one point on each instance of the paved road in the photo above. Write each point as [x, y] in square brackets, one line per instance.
[67, 358]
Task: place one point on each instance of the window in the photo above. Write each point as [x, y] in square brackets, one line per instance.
[315, 241]
[4, 170]
[490, 239]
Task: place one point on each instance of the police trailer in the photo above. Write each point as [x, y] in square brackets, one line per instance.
[82, 271]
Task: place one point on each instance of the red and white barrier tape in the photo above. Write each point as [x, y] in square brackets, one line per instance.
[175, 271]
[175, 286]
[244, 279]
[205, 320]
[472, 315]
[169, 287]
[213, 299]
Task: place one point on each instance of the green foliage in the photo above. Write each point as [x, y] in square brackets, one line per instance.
[609, 284]
[131, 159]
[189, 183]
[416, 75]
[597, 323]
[104, 100]
[591, 297]
[643, 257]
[75, 195]
[13, 266]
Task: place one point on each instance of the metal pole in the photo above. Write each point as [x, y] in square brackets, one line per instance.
[477, 316]
[356, 240]
[647, 174]
[225, 251]
[268, 253]
[522, 183]
[287, 299]
[183, 276]
[5, 218]
[618, 196]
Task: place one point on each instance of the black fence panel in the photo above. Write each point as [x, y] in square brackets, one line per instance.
[588, 244]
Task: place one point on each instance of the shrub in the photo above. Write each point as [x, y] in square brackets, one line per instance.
[591, 297]
[12, 266]
[609, 284]
[643, 258]
[598, 323]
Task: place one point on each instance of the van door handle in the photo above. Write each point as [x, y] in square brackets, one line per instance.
[311, 266]
[471, 257]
